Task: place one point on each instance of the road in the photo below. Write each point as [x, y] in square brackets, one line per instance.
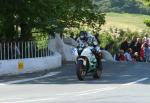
[120, 83]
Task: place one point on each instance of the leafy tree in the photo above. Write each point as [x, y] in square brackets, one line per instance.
[42, 15]
[147, 2]
[147, 22]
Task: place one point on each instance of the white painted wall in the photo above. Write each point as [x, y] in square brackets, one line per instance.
[10, 67]
[57, 45]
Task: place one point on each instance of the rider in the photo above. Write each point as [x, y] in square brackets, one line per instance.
[87, 39]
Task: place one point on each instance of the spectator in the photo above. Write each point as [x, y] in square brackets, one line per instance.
[116, 56]
[136, 56]
[124, 45]
[132, 44]
[128, 55]
[142, 49]
[122, 57]
[138, 46]
[147, 53]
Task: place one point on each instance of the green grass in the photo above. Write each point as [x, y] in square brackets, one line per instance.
[134, 22]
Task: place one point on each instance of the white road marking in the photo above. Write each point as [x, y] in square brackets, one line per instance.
[137, 81]
[33, 100]
[30, 79]
[4, 99]
[111, 88]
[98, 90]
[88, 92]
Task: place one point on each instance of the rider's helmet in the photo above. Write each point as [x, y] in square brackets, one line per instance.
[83, 35]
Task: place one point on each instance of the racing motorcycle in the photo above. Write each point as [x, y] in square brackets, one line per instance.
[87, 61]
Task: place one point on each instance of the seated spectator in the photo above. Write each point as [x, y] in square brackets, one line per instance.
[136, 56]
[116, 56]
[128, 55]
[122, 57]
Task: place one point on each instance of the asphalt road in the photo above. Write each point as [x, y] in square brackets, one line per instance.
[120, 83]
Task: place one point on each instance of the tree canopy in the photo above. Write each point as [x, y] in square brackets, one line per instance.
[147, 22]
[19, 18]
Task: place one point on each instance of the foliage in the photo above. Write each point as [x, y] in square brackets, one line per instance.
[43, 15]
[147, 22]
[147, 2]
[110, 36]
[127, 6]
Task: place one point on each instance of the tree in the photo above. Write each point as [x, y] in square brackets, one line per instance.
[147, 2]
[42, 15]
[147, 22]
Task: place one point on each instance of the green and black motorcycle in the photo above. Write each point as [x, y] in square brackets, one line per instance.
[87, 61]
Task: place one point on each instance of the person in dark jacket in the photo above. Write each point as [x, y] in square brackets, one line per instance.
[124, 45]
[132, 44]
[138, 46]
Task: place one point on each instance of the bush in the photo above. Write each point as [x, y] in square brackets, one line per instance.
[147, 22]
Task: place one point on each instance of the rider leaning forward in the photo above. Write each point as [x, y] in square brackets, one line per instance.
[86, 39]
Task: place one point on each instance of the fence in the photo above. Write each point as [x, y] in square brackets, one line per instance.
[21, 50]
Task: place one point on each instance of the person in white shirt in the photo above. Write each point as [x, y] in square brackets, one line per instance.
[127, 55]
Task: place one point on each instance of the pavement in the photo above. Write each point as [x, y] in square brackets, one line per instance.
[121, 82]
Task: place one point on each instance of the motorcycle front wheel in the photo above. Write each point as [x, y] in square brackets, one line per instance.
[80, 71]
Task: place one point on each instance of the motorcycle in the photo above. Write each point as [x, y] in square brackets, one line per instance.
[87, 61]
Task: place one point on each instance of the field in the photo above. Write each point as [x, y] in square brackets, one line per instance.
[134, 22]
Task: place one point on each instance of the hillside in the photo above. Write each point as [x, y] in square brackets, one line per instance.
[125, 20]
[123, 6]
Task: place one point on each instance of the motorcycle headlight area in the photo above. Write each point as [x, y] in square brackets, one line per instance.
[84, 60]
[80, 49]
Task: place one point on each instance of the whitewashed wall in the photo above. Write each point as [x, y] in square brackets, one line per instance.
[57, 45]
[10, 67]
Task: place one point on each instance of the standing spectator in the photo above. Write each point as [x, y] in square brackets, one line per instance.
[132, 44]
[138, 46]
[124, 45]
[147, 53]
[142, 49]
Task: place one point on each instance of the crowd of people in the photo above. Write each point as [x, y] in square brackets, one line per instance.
[137, 49]
[134, 49]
